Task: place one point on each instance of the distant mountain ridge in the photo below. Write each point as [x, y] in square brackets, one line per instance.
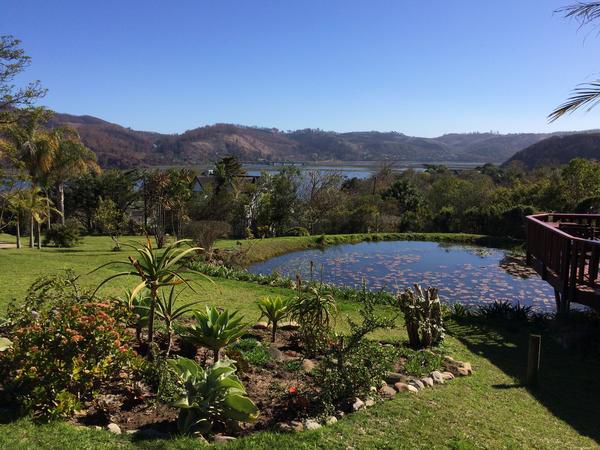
[558, 150]
[121, 147]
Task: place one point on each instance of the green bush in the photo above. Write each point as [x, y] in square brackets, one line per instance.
[204, 233]
[297, 231]
[353, 363]
[210, 396]
[252, 351]
[420, 363]
[65, 236]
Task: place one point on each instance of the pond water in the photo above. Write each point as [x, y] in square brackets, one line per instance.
[469, 275]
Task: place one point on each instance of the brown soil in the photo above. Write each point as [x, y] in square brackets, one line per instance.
[267, 386]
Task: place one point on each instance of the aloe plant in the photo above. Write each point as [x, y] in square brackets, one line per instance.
[139, 306]
[209, 396]
[315, 310]
[274, 310]
[214, 329]
[156, 270]
[167, 310]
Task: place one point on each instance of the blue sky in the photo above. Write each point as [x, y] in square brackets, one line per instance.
[419, 67]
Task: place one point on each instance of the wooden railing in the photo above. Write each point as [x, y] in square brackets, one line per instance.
[566, 260]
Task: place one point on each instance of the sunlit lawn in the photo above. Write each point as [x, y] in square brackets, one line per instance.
[488, 410]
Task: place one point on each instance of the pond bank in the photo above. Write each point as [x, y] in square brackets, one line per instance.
[259, 250]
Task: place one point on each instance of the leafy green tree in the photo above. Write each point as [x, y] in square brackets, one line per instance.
[111, 220]
[580, 180]
[15, 102]
[71, 159]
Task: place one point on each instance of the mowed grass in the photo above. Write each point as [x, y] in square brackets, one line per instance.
[488, 410]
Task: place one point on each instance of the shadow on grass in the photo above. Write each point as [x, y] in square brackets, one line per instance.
[569, 386]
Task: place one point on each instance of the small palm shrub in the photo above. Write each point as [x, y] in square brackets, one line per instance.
[274, 309]
[213, 329]
[210, 396]
[315, 311]
[423, 316]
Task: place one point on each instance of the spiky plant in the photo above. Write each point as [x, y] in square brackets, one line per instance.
[274, 309]
[214, 329]
[155, 270]
[167, 310]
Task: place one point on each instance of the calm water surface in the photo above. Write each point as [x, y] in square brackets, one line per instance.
[467, 274]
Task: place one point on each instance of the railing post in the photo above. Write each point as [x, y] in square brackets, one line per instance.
[533, 359]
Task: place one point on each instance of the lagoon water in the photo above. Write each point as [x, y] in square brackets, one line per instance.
[469, 275]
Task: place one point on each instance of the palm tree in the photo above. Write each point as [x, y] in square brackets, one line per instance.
[17, 206]
[586, 94]
[39, 207]
[71, 159]
[31, 147]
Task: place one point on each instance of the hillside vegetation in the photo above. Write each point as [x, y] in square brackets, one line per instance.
[121, 147]
[559, 150]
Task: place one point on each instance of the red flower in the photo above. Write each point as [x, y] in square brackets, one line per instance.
[292, 390]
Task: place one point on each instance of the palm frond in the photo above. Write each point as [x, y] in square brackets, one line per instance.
[584, 12]
[586, 95]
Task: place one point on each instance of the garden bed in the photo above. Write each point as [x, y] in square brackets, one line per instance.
[278, 379]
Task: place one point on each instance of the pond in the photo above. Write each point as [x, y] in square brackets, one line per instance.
[470, 275]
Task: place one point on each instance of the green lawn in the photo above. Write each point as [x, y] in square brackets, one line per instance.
[488, 410]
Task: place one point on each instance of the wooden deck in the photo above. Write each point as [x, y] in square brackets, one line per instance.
[565, 250]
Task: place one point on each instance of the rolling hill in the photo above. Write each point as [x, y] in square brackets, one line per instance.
[117, 146]
[558, 150]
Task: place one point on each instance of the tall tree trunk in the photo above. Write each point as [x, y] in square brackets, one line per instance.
[49, 211]
[61, 201]
[18, 225]
[39, 235]
[31, 231]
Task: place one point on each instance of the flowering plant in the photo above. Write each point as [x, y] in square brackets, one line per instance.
[62, 356]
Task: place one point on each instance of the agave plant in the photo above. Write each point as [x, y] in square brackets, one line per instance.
[169, 312]
[213, 329]
[209, 396]
[156, 270]
[274, 310]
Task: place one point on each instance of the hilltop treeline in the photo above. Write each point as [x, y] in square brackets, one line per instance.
[490, 200]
